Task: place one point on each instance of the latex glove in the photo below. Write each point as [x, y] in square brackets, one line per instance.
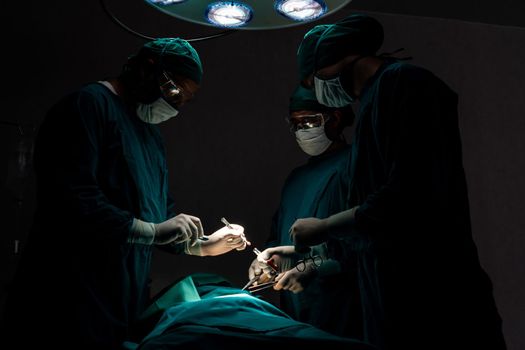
[308, 232]
[294, 280]
[284, 257]
[221, 241]
[255, 270]
[178, 229]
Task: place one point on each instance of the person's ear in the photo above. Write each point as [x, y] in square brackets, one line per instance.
[337, 118]
[333, 126]
[149, 69]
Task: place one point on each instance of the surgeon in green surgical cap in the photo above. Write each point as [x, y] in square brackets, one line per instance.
[103, 204]
[408, 197]
[318, 293]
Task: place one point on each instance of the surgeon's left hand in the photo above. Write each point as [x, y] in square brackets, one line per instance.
[309, 232]
[294, 280]
[221, 241]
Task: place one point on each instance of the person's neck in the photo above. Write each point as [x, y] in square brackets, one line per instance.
[363, 71]
[335, 146]
[120, 89]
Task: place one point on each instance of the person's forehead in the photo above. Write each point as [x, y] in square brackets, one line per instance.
[181, 79]
[303, 113]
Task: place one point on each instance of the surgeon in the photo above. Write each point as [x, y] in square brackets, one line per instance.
[315, 290]
[103, 204]
[408, 194]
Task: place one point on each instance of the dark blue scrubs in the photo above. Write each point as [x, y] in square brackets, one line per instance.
[98, 166]
[319, 189]
[408, 178]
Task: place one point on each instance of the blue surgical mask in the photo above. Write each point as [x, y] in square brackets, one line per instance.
[330, 92]
[156, 112]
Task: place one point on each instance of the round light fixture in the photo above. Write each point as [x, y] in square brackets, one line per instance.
[250, 14]
[301, 10]
[229, 14]
[166, 2]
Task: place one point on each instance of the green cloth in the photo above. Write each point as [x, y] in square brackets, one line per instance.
[225, 317]
[304, 99]
[356, 34]
[176, 55]
[305, 52]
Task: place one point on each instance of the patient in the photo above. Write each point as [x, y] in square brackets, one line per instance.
[206, 311]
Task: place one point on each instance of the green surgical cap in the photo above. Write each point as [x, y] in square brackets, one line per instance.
[304, 100]
[356, 34]
[176, 56]
[305, 52]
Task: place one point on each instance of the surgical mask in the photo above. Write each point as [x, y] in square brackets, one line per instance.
[313, 141]
[157, 112]
[331, 93]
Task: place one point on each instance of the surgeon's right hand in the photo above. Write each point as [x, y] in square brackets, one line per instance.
[285, 257]
[178, 229]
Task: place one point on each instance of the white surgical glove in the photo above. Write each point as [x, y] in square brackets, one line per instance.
[178, 229]
[220, 242]
[294, 280]
[284, 257]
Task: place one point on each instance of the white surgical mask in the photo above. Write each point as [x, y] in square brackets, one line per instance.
[331, 93]
[313, 141]
[156, 112]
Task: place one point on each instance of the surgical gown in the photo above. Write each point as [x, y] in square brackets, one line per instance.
[80, 282]
[319, 189]
[407, 176]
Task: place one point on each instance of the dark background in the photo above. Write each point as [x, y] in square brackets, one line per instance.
[229, 151]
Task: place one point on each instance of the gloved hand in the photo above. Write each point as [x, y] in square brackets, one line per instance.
[308, 232]
[284, 257]
[220, 242]
[255, 270]
[294, 280]
[178, 229]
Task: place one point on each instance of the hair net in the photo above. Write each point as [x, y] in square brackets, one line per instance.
[355, 34]
[305, 52]
[175, 55]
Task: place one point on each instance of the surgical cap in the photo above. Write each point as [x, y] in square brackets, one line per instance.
[304, 100]
[305, 52]
[356, 34]
[174, 55]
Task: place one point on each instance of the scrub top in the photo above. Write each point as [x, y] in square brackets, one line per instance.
[98, 166]
[319, 189]
[407, 176]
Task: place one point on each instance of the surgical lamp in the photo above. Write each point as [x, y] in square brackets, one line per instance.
[249, 14]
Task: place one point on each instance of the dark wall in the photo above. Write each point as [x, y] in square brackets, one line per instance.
[503, 12]
[229, 150]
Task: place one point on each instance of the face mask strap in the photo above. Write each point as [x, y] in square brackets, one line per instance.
[170, 91]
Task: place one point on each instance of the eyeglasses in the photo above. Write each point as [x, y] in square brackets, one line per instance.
[171, 91]
[315, 260]
[307, 121]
